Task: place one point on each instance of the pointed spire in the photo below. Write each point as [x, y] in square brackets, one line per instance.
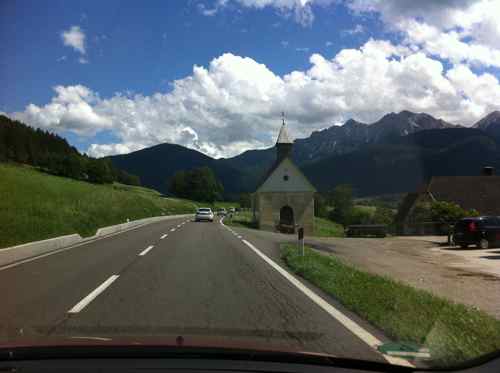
[283, 137]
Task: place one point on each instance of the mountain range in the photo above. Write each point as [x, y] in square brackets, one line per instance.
[393, 155]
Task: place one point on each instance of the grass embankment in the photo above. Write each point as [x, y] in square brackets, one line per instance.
[242, 219]
[453, 332]
[327, 228]
[36, 206]
[322, 227]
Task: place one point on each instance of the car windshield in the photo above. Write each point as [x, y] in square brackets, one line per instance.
[318, 176]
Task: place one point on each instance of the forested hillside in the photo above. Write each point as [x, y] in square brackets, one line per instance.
[158, 164]
[52, 153]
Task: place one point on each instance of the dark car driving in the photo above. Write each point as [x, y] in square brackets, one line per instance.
[483, 231]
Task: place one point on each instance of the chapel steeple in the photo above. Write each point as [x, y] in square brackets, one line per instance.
[283, 143]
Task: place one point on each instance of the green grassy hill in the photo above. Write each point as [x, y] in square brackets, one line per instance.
[36, 206]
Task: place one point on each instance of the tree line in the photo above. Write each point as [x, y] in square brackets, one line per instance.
[52, 153]
[199, 184]
[338, 205]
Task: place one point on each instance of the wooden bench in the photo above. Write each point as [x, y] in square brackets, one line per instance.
[285, 228]
[368, 230]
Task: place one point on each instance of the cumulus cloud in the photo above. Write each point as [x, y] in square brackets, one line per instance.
[300, 10]
[234, 103]
[436, 12]
[450, 45]
[74, 38]
[72, 109]
[102, 150]
[462, 31]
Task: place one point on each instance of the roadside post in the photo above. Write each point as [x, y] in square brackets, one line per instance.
[301, 239]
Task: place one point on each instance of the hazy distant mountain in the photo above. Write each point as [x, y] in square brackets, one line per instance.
[392, 155]
[492, 119]
[344, 139]
[490, 124]
[404, 164]
[157, 164]
[252, 165]
[352, 135]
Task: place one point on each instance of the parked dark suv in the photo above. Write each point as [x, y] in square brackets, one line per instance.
[483, 231]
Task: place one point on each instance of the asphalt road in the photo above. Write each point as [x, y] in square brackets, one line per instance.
[198, 279]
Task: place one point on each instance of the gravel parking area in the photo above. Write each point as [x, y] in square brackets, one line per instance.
[466, 276]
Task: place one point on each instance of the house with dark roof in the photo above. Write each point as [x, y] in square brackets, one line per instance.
[481, 193]
[284, 200]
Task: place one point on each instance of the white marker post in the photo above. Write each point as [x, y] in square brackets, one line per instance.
[301, 238]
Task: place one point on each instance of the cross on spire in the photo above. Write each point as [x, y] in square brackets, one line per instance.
[283, 137]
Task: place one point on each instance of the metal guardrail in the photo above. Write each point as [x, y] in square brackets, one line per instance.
[13, 254]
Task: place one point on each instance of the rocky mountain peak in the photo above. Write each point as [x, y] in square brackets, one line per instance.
[492, 118]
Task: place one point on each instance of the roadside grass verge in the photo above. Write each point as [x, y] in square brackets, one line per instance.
[36, 206]
[226, 205]
[369, 209]
[242, 219]
[322, 227]
[453, 332]
[327, 228]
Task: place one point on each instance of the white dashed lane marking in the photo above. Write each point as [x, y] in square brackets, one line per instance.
[172, 230]
[164, 236]
[89, 298]
[145, 251]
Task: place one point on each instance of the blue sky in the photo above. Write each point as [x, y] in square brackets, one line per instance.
[117, 64]
[142, 47]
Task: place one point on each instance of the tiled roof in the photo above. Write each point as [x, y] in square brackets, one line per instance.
[283, 137]
[405, 206]
[268, 173]
[470, 192]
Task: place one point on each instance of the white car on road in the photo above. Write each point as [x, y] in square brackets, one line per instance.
[204, 214]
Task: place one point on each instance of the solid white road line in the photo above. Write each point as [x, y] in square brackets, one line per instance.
[91, 338]
[164, 236]
[145, 251]
[40, 256]
[89, 298]
[352, 326]
[356, 329]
